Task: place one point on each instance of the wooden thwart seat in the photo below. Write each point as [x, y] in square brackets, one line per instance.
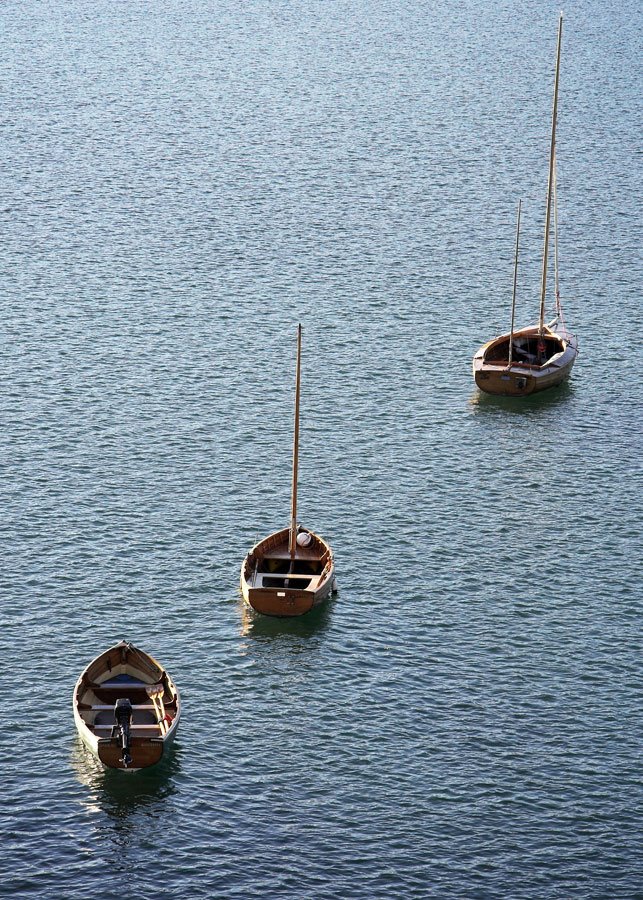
[134, 727]
[295, 576]
[307, 553]
[85, 707]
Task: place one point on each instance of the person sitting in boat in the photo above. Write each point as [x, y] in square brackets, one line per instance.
[521, 351]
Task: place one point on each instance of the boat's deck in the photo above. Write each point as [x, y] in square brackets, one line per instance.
[143, 724]
[287, 581]
[271, 568]
[308, 553]
[96, 706]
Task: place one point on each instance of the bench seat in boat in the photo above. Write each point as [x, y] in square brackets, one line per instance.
[86, 707]
[133, 728]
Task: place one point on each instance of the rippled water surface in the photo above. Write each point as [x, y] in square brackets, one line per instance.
[180, 184]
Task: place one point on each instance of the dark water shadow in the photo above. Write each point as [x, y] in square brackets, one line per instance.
[313, 623]
[489, 404]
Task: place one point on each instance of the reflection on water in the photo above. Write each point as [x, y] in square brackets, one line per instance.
[312, 623]
[123, 797]
[490, 403]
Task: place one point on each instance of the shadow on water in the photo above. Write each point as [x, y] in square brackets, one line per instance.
[313, 623]
[122, 796]
[482, 403]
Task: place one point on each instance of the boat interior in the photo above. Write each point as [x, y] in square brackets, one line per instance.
[154, 703]
[528, 349]
[272, 566]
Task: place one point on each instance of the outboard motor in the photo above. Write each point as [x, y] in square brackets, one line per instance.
[123, 716]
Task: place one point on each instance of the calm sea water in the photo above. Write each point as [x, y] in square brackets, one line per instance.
[180, 184]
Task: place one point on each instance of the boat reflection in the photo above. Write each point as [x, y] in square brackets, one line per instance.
[533, 403]
[312, 623]
[121, 796]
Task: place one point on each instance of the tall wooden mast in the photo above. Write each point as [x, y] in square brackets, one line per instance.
[550, 183]
[292, 541]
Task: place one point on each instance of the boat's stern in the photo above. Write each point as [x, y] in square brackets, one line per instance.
[503, 381]
[279, 601]
[144, 752]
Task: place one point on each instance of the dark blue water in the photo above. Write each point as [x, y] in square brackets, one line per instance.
[180, 184]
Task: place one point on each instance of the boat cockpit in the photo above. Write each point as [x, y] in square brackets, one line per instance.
[528, 350]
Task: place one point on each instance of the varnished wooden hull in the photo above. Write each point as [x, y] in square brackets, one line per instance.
[125, 671]
[274, 587]
[495, 376]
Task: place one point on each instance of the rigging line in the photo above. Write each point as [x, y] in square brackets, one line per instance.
[292, 539]
[543, 286]
[555, 193]
[559, 306]
[513, 299]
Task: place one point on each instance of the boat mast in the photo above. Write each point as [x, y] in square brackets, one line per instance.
[292, 542]
[513, 301]
[550, 183]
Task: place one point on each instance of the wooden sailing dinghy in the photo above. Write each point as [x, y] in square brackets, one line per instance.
[291, 571]
[126, 708]
[540, 356]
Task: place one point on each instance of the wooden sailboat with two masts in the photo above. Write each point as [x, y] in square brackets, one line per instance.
[531, 359]
[291, 571]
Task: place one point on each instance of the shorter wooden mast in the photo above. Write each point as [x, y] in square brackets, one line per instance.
[292, 540]
[513, 300]
[550, 184]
